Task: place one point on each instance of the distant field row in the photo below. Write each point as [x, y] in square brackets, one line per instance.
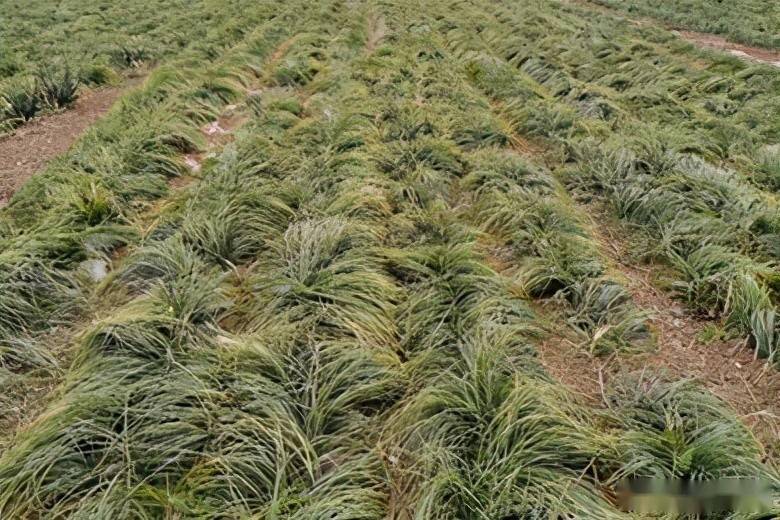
[47, 50]
[754, 22]
[107, 32]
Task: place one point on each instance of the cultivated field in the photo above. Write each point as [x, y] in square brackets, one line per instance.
[49, 51]
[439, 260]
[754, 22]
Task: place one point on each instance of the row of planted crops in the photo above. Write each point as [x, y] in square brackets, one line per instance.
[753, 22]
[51, 52]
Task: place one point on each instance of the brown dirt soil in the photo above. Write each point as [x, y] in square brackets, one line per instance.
[728, 368]
[704, 40]
[33, 145]
[739, 50]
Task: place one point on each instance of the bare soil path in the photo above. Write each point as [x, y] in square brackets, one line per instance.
[712, 41]
[728, 368]
[32, 146]
[702, 40]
